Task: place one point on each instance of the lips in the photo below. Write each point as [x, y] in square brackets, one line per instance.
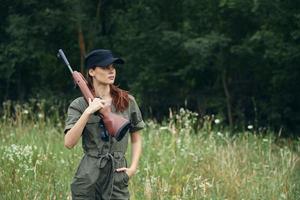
[111, 77]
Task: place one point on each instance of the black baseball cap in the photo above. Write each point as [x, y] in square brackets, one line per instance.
[101, 58]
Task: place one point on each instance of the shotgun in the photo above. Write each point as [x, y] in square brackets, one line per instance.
[116, 125]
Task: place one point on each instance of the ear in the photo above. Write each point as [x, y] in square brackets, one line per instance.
[91, 72]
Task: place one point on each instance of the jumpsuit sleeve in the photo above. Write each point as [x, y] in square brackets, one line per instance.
[136, 118]
[74, 113]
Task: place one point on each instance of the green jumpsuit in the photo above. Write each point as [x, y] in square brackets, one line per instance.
[96, 177]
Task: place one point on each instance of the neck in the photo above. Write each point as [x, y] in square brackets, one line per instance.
[102, 91]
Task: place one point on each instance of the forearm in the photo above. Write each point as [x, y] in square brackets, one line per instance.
[73, 135]
[136, 150]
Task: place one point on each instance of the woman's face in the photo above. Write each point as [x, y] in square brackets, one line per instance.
[103, 75]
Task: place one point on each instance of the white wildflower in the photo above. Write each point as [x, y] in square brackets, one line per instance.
[265, 140]
[217, 121]
[250, 127]
[19, 156]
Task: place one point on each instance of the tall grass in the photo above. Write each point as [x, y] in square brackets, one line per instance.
[182, 159]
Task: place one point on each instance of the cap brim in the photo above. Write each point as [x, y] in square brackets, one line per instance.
[110, 61]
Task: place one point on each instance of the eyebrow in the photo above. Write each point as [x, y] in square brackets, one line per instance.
[107, 66]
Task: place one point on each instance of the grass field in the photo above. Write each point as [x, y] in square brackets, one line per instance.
[179, 161]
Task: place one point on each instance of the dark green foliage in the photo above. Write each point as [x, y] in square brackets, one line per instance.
[236, 58]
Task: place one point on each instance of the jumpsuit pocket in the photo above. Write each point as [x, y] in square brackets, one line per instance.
[93, 122]
[121, 179]
[125, 178]
[93, 129]
[83, 183]
[93, 119]
[92, 125]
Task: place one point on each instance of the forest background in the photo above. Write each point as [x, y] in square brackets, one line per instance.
[235, 59]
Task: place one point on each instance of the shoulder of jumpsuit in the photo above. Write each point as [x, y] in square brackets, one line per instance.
[131, 99]
[135, 115]
[81, 104]
[132, 103]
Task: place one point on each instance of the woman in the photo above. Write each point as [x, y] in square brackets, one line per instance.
[103, 171]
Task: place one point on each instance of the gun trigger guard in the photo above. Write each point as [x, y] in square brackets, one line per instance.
[97, 113]
[101, 115]
[75, 85]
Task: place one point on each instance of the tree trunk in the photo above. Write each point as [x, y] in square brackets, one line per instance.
[228, 100]
[82, 48]
[7, 95]
[20, 86]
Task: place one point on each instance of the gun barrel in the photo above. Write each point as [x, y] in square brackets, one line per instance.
[62, 55]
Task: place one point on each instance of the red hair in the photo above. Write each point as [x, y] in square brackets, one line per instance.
[120, 98]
